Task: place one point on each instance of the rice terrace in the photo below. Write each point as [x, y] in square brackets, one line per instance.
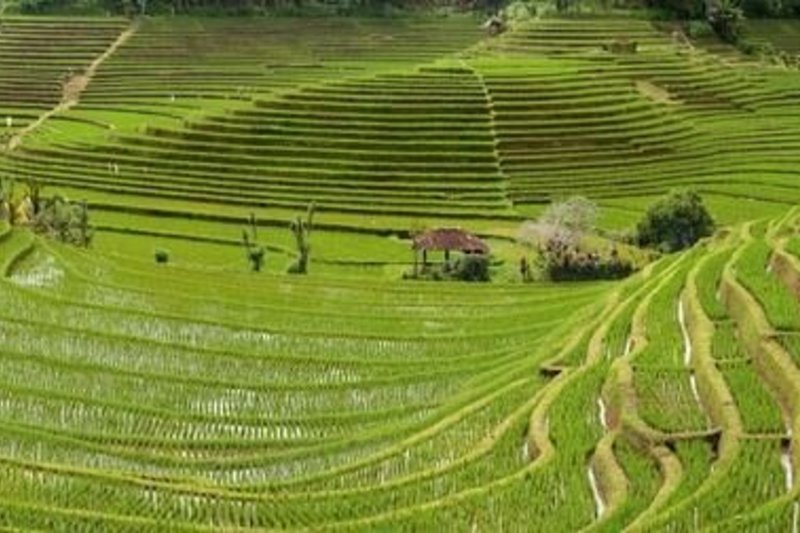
[384, 265]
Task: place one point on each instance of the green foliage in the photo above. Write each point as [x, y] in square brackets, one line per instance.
[214, 7]
[727, 19]
[467, 267]
[558, 234]
[76, 6]
[66, 221]
[698, 29]
[560, 262]
[472, 267]
[161, 257]
[675, 222]
[301, 229]
[763, 8]
[55, 217]
[254, 253]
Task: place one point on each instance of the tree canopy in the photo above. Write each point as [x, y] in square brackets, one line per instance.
[675, 222]
[697, 9]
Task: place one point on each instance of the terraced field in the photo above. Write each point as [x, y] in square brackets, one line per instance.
[781, 34]
[197, 395]
[37, 56]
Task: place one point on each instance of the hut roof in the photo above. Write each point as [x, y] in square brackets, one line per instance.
[450, 239]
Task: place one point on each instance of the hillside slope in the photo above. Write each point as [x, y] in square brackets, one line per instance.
[199, 396]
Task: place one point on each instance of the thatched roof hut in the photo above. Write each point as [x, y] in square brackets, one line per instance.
[449, 239]
[446, 240]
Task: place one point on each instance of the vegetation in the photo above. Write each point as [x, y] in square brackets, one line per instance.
[558, 236]
[301, 229]
[675, 222]
[200, 396]
[255, 253]
[55, 217]
[161, 257]
[726, 17]
[472, 267]
[210, 7]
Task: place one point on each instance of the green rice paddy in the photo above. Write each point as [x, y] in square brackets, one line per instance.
[200, 396]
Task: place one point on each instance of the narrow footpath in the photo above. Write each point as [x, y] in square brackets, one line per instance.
[73, 88]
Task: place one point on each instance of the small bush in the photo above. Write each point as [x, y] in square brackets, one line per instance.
[162, 257]
[675, 222]
[472, 267]
[468, 267]
[698, 29]
[255, 255]
[564, 263]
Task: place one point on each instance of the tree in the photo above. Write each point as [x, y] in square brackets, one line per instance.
[675, 222]
[255, 253]
[557, 236]
[302, 235]
[727, 19]
[562, 222]
[577, 214]
[58, 218]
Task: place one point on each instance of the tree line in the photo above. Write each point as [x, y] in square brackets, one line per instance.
[686, 9]
[225, 7]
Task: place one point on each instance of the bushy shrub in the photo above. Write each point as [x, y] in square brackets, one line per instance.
[472, 267]
[564, 263]
[697, 29]
[161, 257]
[55, 217]
[468, 267]
[675, 222]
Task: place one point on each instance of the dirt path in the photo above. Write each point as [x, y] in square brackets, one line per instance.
[73, 88]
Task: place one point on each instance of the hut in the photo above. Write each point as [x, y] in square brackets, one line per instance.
[446, 240]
